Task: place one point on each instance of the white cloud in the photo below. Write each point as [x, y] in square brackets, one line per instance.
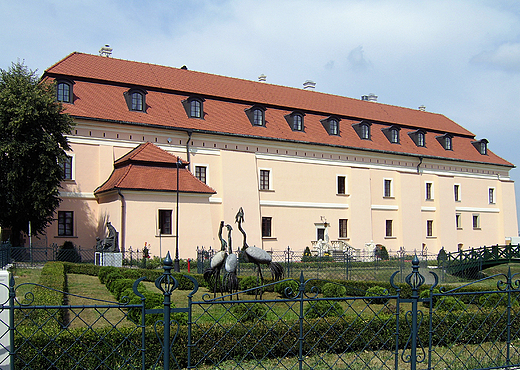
[505, 57]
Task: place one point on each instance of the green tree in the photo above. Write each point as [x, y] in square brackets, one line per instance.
[32, 146]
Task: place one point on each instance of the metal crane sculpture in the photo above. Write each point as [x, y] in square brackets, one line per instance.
[257, 255]
[212, 274]
[230, 266]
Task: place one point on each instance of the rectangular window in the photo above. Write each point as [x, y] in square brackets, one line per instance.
[491, 196]
[343, 228]
[264, 179]
[476, 221]
[266, 227]
[429, 191]
[65, 223]
[66, 167]
[429, 228]
[388, 231]
[388, 188]
[458, 220]
[456, 191]
[165, 221]
[342, 189]
[200, 173]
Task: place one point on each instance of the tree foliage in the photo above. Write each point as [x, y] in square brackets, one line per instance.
[32, 144]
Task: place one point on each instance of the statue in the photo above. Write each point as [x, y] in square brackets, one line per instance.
[110, 243]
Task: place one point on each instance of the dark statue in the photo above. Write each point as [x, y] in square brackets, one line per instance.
[110, 243]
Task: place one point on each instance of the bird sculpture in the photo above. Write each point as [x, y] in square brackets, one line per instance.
[212, 274]
[230, 266]
[257, 255]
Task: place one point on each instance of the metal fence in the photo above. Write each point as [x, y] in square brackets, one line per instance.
[299, 324]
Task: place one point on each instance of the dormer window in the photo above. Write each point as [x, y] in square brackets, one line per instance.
[295, 121]
[135, 99]
[194, 107]
[446, 141]
[331, 124]
[418, 137]
[481, 146]
[392, 134]
[64, 92]
[363, 130]
[256, 115]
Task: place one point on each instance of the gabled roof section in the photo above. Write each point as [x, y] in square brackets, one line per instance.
[150, 168]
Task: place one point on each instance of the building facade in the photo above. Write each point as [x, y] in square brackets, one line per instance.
[305, 166]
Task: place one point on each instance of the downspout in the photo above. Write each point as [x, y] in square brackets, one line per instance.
[419, 165]
[188, 150]
[123, 219]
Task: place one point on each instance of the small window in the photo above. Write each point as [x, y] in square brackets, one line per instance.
[343, 228]
[491, 195]
[135, 99]
[342, 185]
[458, 221]
[265, 179]
[476, 221]
[420, 139]
[165, 221]
[387, 191]
[429, 228]
[195, 108]
[388, 228]
[200, 173]
[66, 167]
[256, 115]
[481, 146]
[447, 143]
[394, 135]
[297, 122]
[429, 191]
[456, 191]
[333, 127]
[65, 223]
[266, 227]
[363, 130]
[64, 92]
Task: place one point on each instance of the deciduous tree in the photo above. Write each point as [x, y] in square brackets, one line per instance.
[32, 145]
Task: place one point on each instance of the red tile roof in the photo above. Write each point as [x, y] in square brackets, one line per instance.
[148, 167]
[100, 83]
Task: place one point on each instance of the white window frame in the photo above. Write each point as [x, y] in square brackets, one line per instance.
[270, 179]
[428, 224]
[391, 188]
[492, 195]
[477, 226]
[201, 165]
[431, 197]
[346, 229]
[346, 184]
[159, 230]
[458, 197]
[458, 221]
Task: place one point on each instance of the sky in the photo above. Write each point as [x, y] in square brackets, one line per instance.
[459, 58]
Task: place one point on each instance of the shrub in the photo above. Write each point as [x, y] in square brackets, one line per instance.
[287, 288]
[332, 290]
[449, 303]
[68, 253]
[111, 278]
[249, 311]
[323, 308]
[120, 285]
[379, 293]
[249, 282]
[496, 299]
[104, 271]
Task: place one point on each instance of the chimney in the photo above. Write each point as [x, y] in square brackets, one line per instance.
[422, 108]
[309, 85]
[262, 78]
[105, 51]
[369, 97]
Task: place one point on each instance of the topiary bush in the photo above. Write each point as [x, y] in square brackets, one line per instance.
[104, 271]
[111, 278]
[449, 303]
[323, 308]
[332, 290]
[287, 288]
[378, 294]
[248, 282]
[249, 311]
[68, 253]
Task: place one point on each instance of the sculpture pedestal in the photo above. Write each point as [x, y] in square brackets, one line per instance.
[109, 259]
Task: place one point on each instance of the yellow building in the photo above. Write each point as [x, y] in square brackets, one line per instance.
[303, 165]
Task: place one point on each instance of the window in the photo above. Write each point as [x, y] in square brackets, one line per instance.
[258, 117]
[456, 191]
[447, 143]
[264, 179]
[394, 135]
[165, 221]
[362, 129]
[476, 221]
[66, 167]
[64, 92]
[365, 132]
[429, 228]
[388, 231]
[342, 185]
[200, 173]
[458, 221]
[491, 194]
[135, 99]
[420, 139]
[297, 122]
[65, 223]
[343, 228]
[334, 127]
[195, 108]
[429, 191]
[387, 192]
[481, 146]
[266, 227]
